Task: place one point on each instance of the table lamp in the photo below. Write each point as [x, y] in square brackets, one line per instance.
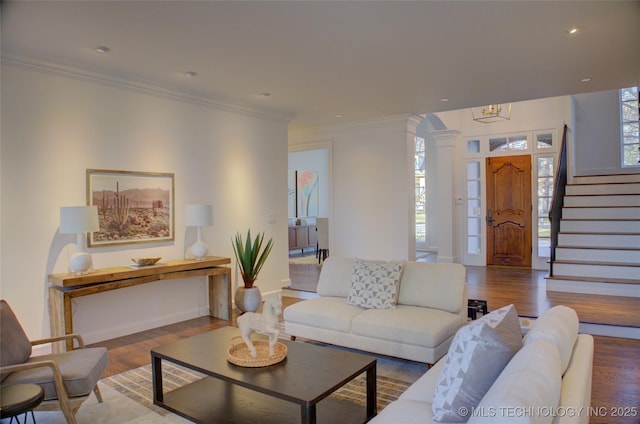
[199, 216]
[79, 220]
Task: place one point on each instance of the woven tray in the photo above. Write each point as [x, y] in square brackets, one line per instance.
[238, 353]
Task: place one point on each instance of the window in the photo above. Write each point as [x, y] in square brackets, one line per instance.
[629, 126]
[421, 190]
[544, 140]
[474, 227]
[473, 146]
[505, 144]
[545, 194]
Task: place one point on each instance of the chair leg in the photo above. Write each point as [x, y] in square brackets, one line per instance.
[69, 413]
[96, 390]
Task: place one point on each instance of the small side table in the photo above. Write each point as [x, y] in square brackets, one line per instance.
[476, 305]
[20, 398]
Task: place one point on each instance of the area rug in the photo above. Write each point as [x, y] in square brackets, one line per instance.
[128, 396]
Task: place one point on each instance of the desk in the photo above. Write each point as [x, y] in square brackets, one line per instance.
[65, 287]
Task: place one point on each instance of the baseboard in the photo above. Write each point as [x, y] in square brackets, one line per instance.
[136, 327]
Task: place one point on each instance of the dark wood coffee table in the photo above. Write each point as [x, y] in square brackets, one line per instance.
[295, 390]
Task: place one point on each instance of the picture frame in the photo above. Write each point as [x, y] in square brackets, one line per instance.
[133, 207]
[307, 194]
[291, 194]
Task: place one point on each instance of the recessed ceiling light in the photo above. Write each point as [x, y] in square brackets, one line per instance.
[444, 99]
[338, 116]
[585, 80]
[189, 74]
[265, 94]
[103, 49]
[573, 30]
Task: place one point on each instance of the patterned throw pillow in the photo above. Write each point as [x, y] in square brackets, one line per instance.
[374, 284]
[477, 355]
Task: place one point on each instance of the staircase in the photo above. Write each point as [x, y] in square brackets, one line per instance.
[598, 249]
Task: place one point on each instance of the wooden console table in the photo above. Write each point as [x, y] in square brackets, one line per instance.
[65, 287]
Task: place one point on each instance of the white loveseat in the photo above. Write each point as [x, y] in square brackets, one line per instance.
[431, 307]
[548, 380]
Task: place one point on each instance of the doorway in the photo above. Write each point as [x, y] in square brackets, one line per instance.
[509, 209]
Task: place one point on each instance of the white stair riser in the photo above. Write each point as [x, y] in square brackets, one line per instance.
[596, 271]
[621, 200]
[598, 255]
[632, 188]
[600, 226]
[601, 213]
[604, 179]
[609, 289]
[599, 240]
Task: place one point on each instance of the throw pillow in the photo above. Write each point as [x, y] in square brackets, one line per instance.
[477, 355]
[374, 284]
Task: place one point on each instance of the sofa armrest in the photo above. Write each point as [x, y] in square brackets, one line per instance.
[424, 388]
[575, 395]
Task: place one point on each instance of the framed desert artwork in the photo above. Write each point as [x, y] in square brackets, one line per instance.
[133, 207]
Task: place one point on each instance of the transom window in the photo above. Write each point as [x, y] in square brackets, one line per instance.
[505, 144]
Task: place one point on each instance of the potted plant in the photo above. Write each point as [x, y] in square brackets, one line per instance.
[251, 256]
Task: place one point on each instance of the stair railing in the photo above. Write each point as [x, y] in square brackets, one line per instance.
[557, 201]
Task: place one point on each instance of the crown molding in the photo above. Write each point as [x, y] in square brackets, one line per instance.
[76, 73]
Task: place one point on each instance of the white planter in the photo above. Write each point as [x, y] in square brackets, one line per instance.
[248, 300]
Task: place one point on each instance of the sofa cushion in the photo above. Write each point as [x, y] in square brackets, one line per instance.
[374, 284]
[406, 324]
[478, 353]
[335, 277]
[433, 285]
[560, 326]
[332, 313]
[527, 390]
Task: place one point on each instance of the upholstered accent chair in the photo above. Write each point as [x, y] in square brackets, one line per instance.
[67, 378]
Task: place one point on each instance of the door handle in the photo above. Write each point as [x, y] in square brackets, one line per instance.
[489, 217]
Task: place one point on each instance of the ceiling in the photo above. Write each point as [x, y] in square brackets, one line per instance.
[317, 60]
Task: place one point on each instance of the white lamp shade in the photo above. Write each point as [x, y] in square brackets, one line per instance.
[199, 215]
[79, 219]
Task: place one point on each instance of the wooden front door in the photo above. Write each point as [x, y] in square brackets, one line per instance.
[509, 211]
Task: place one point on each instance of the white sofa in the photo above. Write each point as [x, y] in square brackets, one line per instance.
[548, 380]
[431, 307]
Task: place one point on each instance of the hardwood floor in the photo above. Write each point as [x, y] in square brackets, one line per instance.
[616, 364]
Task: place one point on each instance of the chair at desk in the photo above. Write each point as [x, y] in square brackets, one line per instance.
[322, 225]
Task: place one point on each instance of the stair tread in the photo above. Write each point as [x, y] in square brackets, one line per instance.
[593, 279]
[607, 233]
[602, 219]
[598, 207]
[566, 246]
[591, 263]
[600, 194]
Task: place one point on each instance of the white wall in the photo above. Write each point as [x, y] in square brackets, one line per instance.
[597, 134]
[54, 128]
[372, 187]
